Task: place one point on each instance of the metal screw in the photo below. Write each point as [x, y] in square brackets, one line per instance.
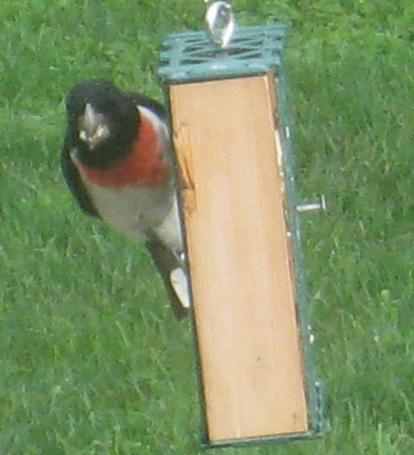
[287, 132]
[311, 335]
[313, 207]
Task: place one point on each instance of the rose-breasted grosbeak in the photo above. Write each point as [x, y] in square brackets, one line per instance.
[116, 160]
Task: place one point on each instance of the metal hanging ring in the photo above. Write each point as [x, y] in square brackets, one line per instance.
[220, 23]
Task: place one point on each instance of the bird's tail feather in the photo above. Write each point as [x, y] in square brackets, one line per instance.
[167, 263]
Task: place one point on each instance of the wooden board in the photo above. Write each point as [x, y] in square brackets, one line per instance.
[238, 248]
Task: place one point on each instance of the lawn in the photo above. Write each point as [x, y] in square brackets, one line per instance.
[91, 359]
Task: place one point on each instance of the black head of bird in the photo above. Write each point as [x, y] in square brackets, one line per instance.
[102, 122]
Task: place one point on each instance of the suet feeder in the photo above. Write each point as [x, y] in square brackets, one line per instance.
[240, 217]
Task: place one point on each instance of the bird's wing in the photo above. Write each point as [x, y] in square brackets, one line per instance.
[74, 181]
[153, 105]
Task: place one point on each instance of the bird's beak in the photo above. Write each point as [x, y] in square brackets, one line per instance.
[93, 128]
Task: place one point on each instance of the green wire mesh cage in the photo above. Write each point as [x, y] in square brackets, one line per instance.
[256, 50]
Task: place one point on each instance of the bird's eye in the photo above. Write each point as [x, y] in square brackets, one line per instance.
[82, 135]
[100, 131]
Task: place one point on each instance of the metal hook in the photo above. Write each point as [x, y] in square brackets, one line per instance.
[220, 23]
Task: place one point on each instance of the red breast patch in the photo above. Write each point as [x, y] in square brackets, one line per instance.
[142, 168]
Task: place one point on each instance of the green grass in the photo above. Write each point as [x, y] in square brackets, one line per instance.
[91, 359]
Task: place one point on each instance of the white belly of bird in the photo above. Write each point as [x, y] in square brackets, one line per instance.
[132, 211]
[169, 231]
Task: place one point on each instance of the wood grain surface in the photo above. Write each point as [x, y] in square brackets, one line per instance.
[239, 255]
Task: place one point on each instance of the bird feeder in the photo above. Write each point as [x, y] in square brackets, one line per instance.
[240, 218]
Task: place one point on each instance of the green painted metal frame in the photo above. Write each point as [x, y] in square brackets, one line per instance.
[190, 56]
[258, 50]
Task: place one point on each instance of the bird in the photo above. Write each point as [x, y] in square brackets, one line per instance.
[117, 162]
